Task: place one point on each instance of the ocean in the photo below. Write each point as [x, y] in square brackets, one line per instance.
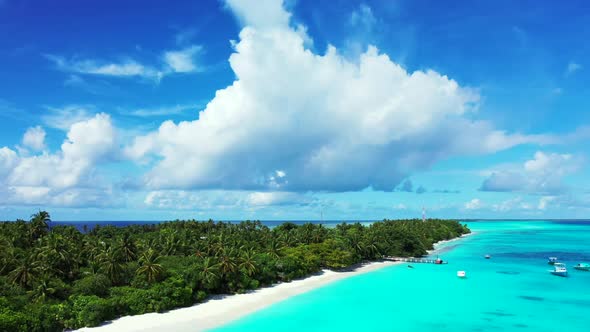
[512, 291]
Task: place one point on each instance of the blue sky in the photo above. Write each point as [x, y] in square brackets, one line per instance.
[235, 109]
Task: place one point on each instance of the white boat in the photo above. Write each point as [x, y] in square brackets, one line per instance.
[582, 267]
[461, 274]
[552, 260]
[559, 269]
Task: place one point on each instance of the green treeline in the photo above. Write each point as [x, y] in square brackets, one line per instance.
[56, 278]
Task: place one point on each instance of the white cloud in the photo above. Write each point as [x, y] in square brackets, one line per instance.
[400, 206]
[173, 61]
[124, 68]
[542, 174]
[63, 118]
[572, 67]
[363, 16]
[474, 204]
[193, 200]
[277, 198]
[65, 177]
[545, 201]
[222, 199]
[260, 14]
[329, 123]
[182, 61]
[163, 110]
[8, 159]
[34, 138]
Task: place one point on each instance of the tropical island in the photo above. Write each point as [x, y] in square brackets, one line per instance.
[56, 278]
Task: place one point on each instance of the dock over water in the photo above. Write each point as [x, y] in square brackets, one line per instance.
[415, 260]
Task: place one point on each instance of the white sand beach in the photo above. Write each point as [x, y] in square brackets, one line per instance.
[221, 310]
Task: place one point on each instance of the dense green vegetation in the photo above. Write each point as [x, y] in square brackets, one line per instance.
[55, 278]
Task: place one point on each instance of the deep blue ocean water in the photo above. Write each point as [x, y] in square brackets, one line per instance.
[512, 291]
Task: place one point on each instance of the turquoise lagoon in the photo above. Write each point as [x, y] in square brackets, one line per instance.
[513, 291]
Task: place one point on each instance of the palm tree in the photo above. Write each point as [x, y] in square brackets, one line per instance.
[110, 261]
[149, 266]
[6, 254]
[275, 248]
[42, 290]
[128, 248]
[248, 263]
[39, 224]
[209, 273]
[227, 264]
[25, 272]
[172, 244]
[57, 252]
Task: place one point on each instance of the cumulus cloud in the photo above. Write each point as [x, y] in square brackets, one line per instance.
[331, 124]
[34, 138]
[543, 174]
[474, 204]
[260, 14]
[65, 177]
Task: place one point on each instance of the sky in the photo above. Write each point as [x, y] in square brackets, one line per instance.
[294, 109]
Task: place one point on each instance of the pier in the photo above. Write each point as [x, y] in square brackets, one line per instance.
[415, 260]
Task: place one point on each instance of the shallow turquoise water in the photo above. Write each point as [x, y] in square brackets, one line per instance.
[513, 291]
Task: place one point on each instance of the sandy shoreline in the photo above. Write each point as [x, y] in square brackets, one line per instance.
[222, 309]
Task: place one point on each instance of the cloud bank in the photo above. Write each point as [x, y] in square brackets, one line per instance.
[328, 122]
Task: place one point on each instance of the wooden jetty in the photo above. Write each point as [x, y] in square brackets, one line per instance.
[415, 260]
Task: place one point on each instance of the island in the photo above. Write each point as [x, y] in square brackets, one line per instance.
[59, 277]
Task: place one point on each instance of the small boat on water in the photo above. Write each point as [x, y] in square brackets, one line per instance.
[552, 260]
[487, 256]
[461, 274]
[582, 267]
[559, 269]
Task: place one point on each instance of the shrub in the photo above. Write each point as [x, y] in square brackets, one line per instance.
[94, 284]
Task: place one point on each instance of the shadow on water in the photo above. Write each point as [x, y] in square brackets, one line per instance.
[498, 313]
[508, 272]
[532, 298]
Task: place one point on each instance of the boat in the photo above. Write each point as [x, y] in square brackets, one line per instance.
[582, 267]
[461, 274]
[487, 256]
[438, 261]
[559, 269]
[552, 260]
